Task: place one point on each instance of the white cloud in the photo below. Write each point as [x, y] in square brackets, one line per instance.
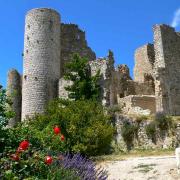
[176, 19]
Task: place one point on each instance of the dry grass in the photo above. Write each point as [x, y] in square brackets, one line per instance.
[134, 153]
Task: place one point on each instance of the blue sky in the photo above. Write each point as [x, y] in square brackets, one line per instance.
[119, 25]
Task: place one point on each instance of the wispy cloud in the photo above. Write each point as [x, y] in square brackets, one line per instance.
[176, 19]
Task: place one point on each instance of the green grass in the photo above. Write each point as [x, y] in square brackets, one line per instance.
[133, 153]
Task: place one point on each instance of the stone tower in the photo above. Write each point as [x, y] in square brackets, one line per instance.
[41, 66]
[14, 94]
[167, 69]
[144, 62]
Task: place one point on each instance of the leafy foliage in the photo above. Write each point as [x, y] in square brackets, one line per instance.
[163, 122]
[84, 85]
[128, 131]
[151, 131]
[84, 124]
[141, 118]
[64, 166]
[5, 115]
[32, 166]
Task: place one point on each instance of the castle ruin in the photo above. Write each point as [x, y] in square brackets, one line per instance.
[49, 44]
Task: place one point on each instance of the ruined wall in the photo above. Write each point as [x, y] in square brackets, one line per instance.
[106, 67]
[162, 140]
[121, 77]
[145, 88]
[62, 93]
[167, 69]
[14, 94]
[73, 41]
[41, 66]
[138, 104]
[102, 65]
[144, 60]
[125, 86]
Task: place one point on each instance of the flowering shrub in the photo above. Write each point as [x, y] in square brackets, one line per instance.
[23, 145]
[57, 130]
[32, 165]
[29, 162]
[84, 168]
[85, 127]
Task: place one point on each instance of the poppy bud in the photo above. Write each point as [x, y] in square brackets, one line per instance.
[23, 145]
[62, 137]
[57, 130]
[48, 160]
[15, 157]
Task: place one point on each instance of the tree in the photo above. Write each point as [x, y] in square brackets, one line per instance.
[84, 85]
[5, 115]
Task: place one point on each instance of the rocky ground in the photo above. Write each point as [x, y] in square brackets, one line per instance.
[143, 168]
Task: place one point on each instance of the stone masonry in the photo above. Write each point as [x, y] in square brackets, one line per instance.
[106, 68]
[41, 67]
[167, 69]
[144, 61]
[50, 44]
[73, 41]
[14, 94]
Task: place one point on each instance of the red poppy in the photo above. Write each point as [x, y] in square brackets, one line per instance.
[23, 145]
[48, 160]
[15, 157]
[62, 137]
[57, 130]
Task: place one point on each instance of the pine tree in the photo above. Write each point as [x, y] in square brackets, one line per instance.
[84, 85]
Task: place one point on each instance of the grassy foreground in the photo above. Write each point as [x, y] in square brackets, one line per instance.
[134, 153]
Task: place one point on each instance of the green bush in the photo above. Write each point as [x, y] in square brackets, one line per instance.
[151, 130]
[32, 166]
[19, 133]
[128, 132]
[5, 115]
[141, 118]
[163, 122]
[86, 127]
[84, 86]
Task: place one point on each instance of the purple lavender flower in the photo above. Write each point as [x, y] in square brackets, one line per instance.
[83, 167]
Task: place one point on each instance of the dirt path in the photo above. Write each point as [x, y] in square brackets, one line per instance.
[146, 168]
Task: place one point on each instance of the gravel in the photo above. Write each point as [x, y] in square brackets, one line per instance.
[142, 168]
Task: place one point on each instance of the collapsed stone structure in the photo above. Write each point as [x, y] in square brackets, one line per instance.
[49, 44]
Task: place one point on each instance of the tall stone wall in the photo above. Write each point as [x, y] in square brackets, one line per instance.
[73, 40]
[146, 88]
[144, 62]
[125, 86]
[167, 69]
[121, 78]
[14, 94]
[41, 67]
[106, 67]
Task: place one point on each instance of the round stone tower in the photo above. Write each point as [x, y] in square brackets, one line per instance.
[41, 66]
[14, 94]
